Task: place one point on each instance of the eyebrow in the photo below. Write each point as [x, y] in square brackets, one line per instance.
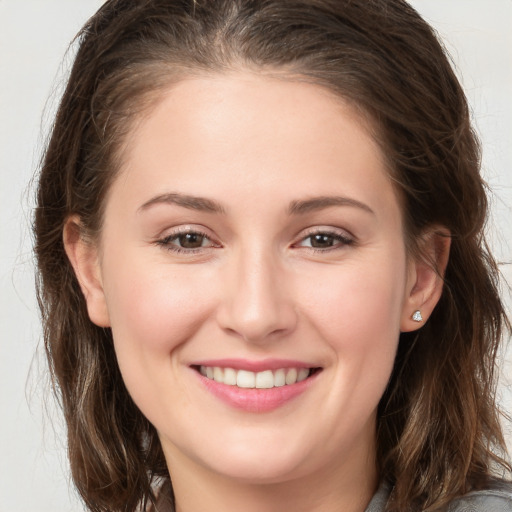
[319, 203]
[296, 207]
[186, 201]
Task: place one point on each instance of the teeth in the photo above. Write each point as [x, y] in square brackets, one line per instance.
[245, 379]
[279, 378]
[291, 376]
[260, 380]
[229, 376]
[218, 374]
[265, 380]
[303, 374]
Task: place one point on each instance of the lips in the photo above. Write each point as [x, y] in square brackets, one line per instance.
[256, 386]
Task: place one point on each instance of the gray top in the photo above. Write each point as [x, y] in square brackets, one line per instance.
[498, 498]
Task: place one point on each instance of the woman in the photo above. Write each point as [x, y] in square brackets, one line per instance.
[263, 277]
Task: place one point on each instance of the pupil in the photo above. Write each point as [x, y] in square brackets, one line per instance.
[191, 240]
[322, 241]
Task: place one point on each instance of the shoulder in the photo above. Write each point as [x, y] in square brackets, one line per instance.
[496, 498]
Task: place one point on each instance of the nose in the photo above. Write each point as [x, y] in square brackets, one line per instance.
[256, 304]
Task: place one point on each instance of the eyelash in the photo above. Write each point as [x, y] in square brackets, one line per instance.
[167, 244]
[340, 241]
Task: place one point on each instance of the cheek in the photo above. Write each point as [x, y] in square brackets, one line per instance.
[154, 308]
[358, 310]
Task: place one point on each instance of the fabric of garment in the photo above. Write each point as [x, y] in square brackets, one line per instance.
[497, 498]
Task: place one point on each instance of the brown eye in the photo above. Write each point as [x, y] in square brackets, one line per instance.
[190, 240]
[322, 241]
[325, 240]
[187, 242]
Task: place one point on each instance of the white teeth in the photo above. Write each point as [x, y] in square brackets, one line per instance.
[218, 374]
[303, 374]
[291, 376]
[279, 378]
[260, 380]
[265, 380]
[230, 376]
[245, 379]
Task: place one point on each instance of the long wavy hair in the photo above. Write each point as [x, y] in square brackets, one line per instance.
[438, 432]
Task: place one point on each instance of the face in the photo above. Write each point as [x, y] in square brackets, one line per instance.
[253, 272]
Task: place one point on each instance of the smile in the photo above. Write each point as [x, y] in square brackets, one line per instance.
[256, 387]
[255, 380]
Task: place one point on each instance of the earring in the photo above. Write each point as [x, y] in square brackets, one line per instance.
[417, 316]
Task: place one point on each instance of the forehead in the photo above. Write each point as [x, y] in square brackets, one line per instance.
[246, 132]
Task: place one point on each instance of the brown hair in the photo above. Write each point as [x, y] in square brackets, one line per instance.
[437, 421]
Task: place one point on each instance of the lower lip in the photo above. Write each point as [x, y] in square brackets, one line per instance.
[256, 400]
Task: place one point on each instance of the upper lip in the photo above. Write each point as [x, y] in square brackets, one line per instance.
[254, 366]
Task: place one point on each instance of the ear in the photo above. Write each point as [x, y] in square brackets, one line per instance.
[425, 277]
[84, 258]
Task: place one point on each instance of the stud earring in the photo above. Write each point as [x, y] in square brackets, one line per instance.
[417, 316]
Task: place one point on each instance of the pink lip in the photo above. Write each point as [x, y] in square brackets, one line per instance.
[254, 366]
[255, 400]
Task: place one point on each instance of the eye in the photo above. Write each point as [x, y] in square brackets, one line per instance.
[325, 240]
[321, 240]
[189, 241]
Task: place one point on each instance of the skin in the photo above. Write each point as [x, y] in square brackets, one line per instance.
[256, 288]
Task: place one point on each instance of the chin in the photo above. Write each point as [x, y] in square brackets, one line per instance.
[270, 470]
[250, 461]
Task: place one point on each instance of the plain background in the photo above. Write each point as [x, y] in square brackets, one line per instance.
[34, 35]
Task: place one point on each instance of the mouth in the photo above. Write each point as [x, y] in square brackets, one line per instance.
[256, 386]
[265, 379]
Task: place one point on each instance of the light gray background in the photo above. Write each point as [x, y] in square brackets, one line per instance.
[34, 35]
